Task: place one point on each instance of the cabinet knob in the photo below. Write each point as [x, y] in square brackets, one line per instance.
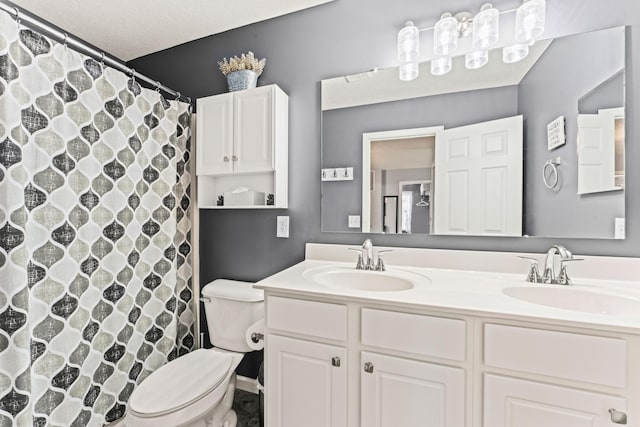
[335, 361]
[225, 158]
[234, 158]
[618, 417]
[368, 367]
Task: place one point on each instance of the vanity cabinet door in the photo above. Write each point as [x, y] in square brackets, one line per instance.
[401, 392]
[510, 402]
[306, 383]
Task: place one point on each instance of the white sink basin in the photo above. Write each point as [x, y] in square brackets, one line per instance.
[371, 281]
[569, 298]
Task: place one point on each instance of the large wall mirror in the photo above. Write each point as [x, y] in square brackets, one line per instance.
[528, 149]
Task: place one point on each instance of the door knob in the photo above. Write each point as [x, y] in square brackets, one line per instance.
[234, 158]
[335, 361]
[225, 158]
[368, 367]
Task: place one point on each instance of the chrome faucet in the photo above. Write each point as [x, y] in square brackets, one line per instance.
[366, 258]
[549, 275]
[367, 255]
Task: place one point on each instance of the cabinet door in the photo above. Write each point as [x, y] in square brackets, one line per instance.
[214, 129]
[253, 130]
[306, 384]
[510, 402]
[407, 393]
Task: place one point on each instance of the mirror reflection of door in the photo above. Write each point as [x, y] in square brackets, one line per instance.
[415, 207]
[390, 215]
[390, 158]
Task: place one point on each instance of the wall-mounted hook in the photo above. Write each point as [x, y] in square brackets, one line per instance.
[66, 40]
[157, 86]
[102, 60]
[133, 74]
[178, 96]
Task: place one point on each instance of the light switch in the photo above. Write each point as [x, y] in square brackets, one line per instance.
[283, 227]
[619, 228]
[354, 221]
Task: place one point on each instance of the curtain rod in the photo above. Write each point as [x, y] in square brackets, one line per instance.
[45, 28]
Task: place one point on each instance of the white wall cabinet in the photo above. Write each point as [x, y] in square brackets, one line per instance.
[421, 368]
[242, 141]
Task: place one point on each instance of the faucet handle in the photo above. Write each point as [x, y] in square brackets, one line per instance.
[359, 263]
[533, 275]
[563, 277]
[380, 265]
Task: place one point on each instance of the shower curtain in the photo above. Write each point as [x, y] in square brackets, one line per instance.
[95, 252]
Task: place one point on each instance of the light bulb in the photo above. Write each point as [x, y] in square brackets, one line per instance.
[441, 66]
[408, 43]
[530, 20]
[408, 71]
[477, 59]
[486, 27]
[445, 35]
[515, 53]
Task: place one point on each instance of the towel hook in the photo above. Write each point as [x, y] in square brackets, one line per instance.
[66, 40]
[102, 60]
[551, 182]
[158, 86]
[133, 75]
[178, 96]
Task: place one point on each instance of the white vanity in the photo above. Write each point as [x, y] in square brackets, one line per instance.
[451, 339]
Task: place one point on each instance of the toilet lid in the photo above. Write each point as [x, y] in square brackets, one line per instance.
[180, 382]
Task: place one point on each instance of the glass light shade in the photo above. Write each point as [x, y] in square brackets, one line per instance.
[441, 66]
[477, 59]
[486, 28]
[445, 35]
[408, 71]
[408, 43]
[530, 20]
[515, 53]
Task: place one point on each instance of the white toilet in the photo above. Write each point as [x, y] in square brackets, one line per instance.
[196, 390]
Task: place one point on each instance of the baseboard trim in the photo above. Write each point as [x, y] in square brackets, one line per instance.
[247, 384]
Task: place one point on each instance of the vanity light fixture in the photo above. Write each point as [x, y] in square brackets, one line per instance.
[484, 28]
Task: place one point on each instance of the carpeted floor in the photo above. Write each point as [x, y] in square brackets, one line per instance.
[247, 406]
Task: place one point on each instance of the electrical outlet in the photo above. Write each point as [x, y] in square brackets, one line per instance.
[619, 228]
[354, 221]
[283, 227]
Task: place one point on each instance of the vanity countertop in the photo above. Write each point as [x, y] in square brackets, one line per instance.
[471, 292]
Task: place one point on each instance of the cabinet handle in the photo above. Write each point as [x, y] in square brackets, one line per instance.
[618, 417]
[234, 158]
[368, 367]
[225, 158]
[335, 361]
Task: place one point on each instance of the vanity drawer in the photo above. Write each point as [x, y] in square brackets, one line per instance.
[587, 358]
[414, 333]
[319, 319]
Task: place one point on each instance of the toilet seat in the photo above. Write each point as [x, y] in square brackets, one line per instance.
[193, 383]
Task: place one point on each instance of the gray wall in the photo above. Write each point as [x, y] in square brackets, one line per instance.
[579, 64]
[346, 37]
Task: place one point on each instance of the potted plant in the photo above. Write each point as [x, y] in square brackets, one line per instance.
[242, 72]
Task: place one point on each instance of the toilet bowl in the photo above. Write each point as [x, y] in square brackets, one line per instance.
[196, 390]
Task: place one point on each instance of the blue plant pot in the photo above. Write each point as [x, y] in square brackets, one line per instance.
[241, 80]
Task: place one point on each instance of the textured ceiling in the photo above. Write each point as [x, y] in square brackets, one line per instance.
[129, 29]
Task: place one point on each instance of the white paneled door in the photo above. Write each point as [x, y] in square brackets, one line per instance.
[478, 179]
[596, 150]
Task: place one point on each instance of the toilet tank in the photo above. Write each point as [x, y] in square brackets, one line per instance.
[231, 307]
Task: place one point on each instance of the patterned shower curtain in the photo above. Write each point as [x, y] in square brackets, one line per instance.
[95, 268]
